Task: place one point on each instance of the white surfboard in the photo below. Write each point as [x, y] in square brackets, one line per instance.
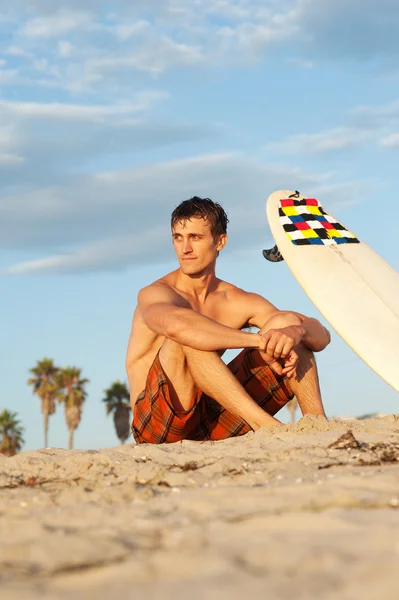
[351, 285]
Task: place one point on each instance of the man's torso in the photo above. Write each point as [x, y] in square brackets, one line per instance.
[223, 305]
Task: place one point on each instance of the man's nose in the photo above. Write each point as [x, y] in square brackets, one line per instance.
[187, 246]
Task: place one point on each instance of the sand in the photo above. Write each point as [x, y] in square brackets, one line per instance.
[299, 512]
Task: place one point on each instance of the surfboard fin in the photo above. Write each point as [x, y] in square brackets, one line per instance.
[273, 255]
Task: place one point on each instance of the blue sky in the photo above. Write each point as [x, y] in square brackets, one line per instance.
[111, 114]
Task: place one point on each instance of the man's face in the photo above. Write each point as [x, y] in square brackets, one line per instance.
[195, 247]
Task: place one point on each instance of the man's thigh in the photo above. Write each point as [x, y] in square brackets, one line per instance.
[269, 390]
[266, 388]
[182, 388]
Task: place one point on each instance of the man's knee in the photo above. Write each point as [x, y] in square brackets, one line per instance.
[173, 361]
[181, 384]
[177, 351]
[282, 319]
[171, 351]
[175, 355]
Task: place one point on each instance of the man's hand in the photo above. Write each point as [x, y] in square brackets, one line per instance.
[279, 342]
[277, 348]
[286, 367]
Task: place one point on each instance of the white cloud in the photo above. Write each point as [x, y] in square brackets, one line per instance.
[301, 63]
[360, 30]
[43, 67]
[117, 219]
[391, 141]
[79, 112]
[65, 49]
[99, 45]
[377, 116]
[80, 221]
[154, 56]
[7, 159]
[48, 145]
[9, 143]
[107, 254]
[51, 26]
[368, 124]
[9, 76]
[338, 196]
[18, 51]
[129, 30]
[340, 138]
[50, 7]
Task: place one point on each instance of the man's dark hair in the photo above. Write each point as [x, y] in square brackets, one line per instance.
[203, 208]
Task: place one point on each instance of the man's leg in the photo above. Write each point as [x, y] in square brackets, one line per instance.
[305, 385]
[188, 369]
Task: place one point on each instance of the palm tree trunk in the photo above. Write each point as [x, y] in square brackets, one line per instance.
[70, 444]
[292, 406]
[45, 426]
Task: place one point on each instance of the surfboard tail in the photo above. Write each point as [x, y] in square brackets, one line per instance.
[273, 255]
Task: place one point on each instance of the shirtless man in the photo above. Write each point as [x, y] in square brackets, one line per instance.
[180, 387]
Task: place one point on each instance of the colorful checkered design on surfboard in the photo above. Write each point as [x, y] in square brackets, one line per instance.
[307, 223]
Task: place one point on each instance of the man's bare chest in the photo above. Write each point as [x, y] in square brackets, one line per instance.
[225, 313]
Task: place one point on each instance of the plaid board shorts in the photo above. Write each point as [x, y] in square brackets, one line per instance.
[155, 421]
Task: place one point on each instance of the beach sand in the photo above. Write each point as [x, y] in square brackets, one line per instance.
[299, 512]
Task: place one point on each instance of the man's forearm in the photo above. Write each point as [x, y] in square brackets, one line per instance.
[194, 330]
[317, 337]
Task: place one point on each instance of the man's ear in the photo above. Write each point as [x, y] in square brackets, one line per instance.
[221, 242]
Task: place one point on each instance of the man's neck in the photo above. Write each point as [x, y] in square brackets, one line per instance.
[197, 286]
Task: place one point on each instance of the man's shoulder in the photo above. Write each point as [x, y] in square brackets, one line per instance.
[154, 290]
[239, 296]
[163, 283]
[233, 291]
[160, 290]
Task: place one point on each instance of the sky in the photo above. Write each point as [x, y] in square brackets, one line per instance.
[113, 112]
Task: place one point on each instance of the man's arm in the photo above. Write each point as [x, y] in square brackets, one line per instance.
[309, 331]
[316, 336]
[280, 339]
[168, 314]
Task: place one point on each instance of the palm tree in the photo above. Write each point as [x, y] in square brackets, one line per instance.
[117, 399]
[11, 431]
[292, 406]
[43, 382]
[72, 393]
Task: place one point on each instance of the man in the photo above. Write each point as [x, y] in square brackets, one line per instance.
[183, 323]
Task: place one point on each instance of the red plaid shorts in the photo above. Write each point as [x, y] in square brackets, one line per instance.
[155, 421]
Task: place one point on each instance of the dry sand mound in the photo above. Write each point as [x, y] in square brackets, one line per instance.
[307, 511]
